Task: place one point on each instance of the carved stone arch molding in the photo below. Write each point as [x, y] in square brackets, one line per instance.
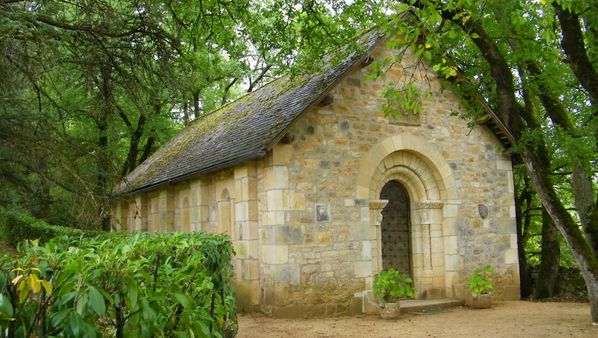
[416, 164]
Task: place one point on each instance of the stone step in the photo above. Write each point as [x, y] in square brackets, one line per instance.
[426, 305]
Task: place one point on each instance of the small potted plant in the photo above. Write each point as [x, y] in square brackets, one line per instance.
[389, 287]
[481, 287]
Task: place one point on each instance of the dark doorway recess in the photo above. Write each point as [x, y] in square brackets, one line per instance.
[396, 226]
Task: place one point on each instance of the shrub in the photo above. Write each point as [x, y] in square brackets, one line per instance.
[390, 285]
[16, 227]
[123, 285]
[481, 281]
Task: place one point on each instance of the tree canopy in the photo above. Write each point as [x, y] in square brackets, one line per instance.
[91, 88]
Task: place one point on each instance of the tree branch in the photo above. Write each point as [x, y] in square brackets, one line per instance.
[574, 47]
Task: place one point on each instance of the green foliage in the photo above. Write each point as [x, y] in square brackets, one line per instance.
[390, 285]
[100, 85]
[124, 285]
[481, 281]
[408, 98]
[16, 227]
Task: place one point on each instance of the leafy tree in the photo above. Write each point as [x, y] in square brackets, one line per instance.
[92, 88]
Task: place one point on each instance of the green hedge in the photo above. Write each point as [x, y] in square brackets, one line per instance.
[16, 227]
[123, 285]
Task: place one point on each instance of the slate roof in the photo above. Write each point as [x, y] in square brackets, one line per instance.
[240, 131]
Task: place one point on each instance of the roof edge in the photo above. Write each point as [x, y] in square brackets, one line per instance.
[155, 186]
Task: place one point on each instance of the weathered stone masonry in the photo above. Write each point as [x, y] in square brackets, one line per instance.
[343, 154]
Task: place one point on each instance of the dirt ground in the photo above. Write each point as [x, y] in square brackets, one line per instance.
[504, 319]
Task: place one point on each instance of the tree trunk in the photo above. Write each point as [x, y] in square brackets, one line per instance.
[550, 259]
[196, 108]
[131, 162]
[522, 226]
[582, 193]
[102, 159]
[588, 263]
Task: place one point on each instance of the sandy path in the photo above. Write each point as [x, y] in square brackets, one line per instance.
[505, 319]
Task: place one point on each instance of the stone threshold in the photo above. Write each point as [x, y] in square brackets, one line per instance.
[419, 305]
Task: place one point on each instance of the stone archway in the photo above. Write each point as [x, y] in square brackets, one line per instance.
[427, 179]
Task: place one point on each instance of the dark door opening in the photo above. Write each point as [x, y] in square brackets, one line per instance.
[396, 225]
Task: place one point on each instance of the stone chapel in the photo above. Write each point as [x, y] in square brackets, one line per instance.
[319, 190]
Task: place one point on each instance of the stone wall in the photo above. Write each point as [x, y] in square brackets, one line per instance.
[223, 202]
[342, 155]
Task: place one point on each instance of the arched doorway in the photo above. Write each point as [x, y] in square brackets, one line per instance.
[396, 228]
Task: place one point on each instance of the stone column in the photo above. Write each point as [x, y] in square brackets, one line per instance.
[166, 210]
[141, 213]
[123, 216]
[246, 237]
[200, 215]
[376, 207]
[431, 282]
[144, 213]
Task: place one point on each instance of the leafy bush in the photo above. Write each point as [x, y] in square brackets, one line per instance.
[123, 285]
[16, 227]
[481, 281]
[390, 285]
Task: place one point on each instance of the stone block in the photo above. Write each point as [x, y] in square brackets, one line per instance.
[450, 245]
[288, 234]
[362, 232]
[250, 230]
[275, 200]
[366, 250]
[450, 210]
[397, 143]
[512, 212]
[437, 260]
[362, 269]
[252, 210]
[241, 211]
[514, 241]
[449, 227]
[298, 201]
[237, 268]
[239, 189]
[273, 218]
[437, 245]
[453, 263]
[451, 278]
[275, 254]
[364, 214]
[286, 274]
[510, 256]
[241, 249]
[253, 246]
[281, 154]
[510, 183]
[504, 165]
[251, 269]
[323, 237]
[280, 177]
[362, 192]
